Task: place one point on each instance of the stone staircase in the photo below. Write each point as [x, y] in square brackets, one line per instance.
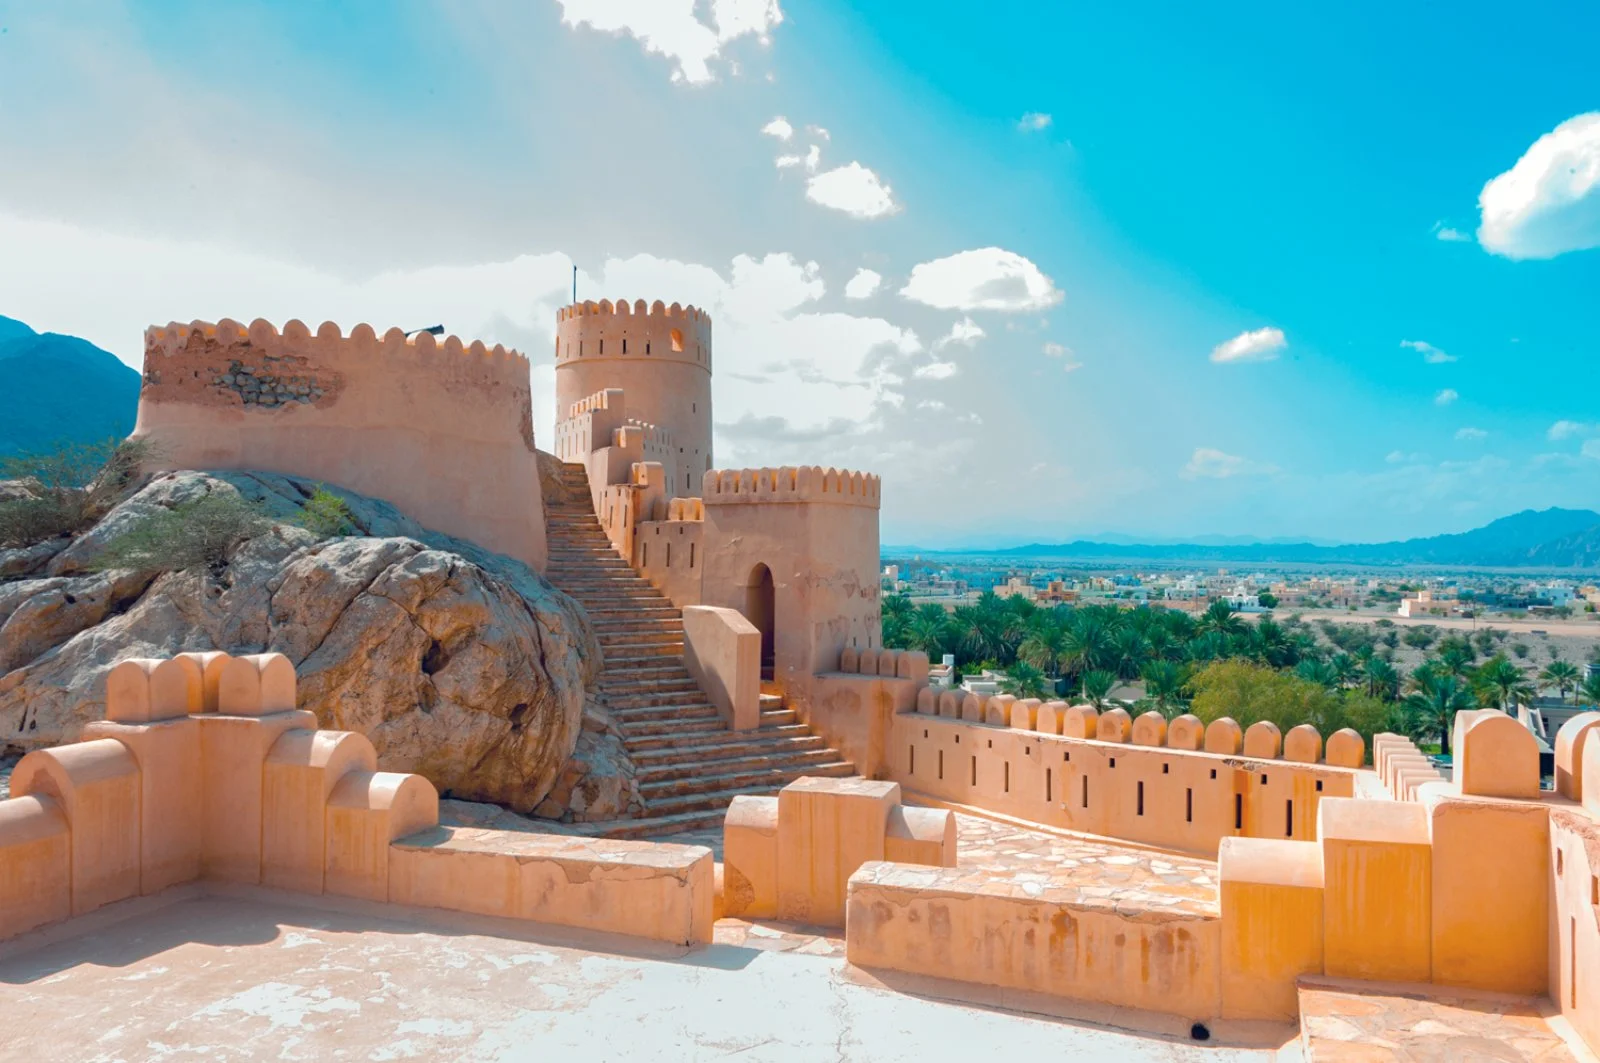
[689, 764]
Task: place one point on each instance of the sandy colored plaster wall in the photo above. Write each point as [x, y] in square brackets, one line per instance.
[664, 892]
[941, 924]
[1574, 933]
[661, 359]
[1176, 799]
[816, 532]
[856, 714]
[722, 651]
[671, 555]
[442, 430]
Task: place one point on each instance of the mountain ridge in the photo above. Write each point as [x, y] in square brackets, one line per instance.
[57, 389]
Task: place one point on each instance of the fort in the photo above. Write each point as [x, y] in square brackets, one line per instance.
[800, 782]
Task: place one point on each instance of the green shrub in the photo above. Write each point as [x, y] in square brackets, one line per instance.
[65, 490]
[326, 516]
[186, 536]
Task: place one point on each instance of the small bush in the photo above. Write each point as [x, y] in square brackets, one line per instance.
[187, 536]
[66, 489]
[326, 516]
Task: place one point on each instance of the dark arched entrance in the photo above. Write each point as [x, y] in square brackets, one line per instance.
[760, 611]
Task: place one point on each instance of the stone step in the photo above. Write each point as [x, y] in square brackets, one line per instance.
[662, 632]
[652, 698]
[641, 744]
[638, 651]
[660, 728]
[720, 799]
[683, 688]
[694, 770]
[703, 710]
[778, 717]
[659, 796]
[661, 826]
[613, 614]
[619, 626]
[737, 744]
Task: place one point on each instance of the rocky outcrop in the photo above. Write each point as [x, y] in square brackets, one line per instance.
[459, 664]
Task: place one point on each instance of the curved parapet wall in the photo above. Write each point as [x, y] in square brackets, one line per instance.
[805, 483]
[440, 428]
[659, 357]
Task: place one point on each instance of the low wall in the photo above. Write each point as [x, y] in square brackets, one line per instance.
[669, 554]
[952, 924]
[722, 651]
[1174, 798]
[228, 782]
[663, 892]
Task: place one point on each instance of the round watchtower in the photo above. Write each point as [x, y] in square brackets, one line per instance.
[660, 356]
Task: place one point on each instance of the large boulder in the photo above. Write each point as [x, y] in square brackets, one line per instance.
[458, 664]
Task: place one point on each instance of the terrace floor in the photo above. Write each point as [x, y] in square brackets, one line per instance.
[251, 977]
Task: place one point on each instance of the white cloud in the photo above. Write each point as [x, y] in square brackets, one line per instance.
[965, 332]
[1446, 397]
[853, 189]
[669, 27]
[1570, 430]
[1212, 464]
[1471, 434]
[1400, 457]
[1549, 202]
[818, 132]
[786, 161]
[1430, 354]
[936, 371]
[988, 278]
[1259, 345]
[814, 159]
[1056, 350]
[1034, 122]
[779, 127]
[1450, 234]
[1591, 449]
[863, 285]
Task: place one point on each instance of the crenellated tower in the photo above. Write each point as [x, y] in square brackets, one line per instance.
[659, 358]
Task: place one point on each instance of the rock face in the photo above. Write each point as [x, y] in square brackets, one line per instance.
[461, 665]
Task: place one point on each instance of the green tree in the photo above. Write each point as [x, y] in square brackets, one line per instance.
[1419, 638]
[1129, 652]
[927, 630]
[1589, 691]
[1164, 685]
[1220, 617]
[1380, 679]
[897, 612]
[1507, 683]
[64, 490]
[1434, 699]
[1024, 680]
[202, 532]
[1563, 675]
[1046, 645]
[1248, 692]
[1097, 685]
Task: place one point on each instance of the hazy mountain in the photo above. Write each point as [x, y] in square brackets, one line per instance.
[1550, 538]
[56, 388]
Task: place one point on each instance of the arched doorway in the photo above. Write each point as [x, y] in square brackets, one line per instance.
[759, 610]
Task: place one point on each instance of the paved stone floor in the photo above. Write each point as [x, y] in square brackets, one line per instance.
[222, 978]
[1352, 1024]
[1101, 873]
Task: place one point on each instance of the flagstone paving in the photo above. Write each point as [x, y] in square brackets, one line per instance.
[1346, 1023]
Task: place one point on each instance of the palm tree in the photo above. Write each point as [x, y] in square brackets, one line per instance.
[1088, 642]
[1504, 680]
[928, 629]
[1589, 691]
[1220, 617]
[1097, 684]
[1129, 652]
[1024, 680]
[1046, 645]
[1208, 646]
[1563, 675]
[1321, 673]
[1381, 678]
[1435, 699]
[979, 630]
[1163, 685]
[1345, 669]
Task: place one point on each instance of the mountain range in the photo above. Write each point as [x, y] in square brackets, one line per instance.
[60, 389]
[1549, 538]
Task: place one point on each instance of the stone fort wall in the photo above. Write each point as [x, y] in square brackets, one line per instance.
[441, 429]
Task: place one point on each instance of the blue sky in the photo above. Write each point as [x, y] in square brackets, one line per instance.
[1072, 210]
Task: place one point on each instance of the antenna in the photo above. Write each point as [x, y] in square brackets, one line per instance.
[574, 282]
[432, 330]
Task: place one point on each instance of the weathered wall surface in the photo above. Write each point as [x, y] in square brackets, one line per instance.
[441, 430]
[1173, 798]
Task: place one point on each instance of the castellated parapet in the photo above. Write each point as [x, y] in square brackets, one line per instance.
[804, 483]
[441, 429]
[659, 357]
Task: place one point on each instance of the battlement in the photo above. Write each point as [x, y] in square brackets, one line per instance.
[805, 483]
[420, 422]
[636, 332]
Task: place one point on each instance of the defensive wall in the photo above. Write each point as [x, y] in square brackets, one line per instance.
[441, 429]
[205, 772]
[659, 358]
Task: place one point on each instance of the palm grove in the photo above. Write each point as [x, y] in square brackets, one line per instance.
[1220, 664]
